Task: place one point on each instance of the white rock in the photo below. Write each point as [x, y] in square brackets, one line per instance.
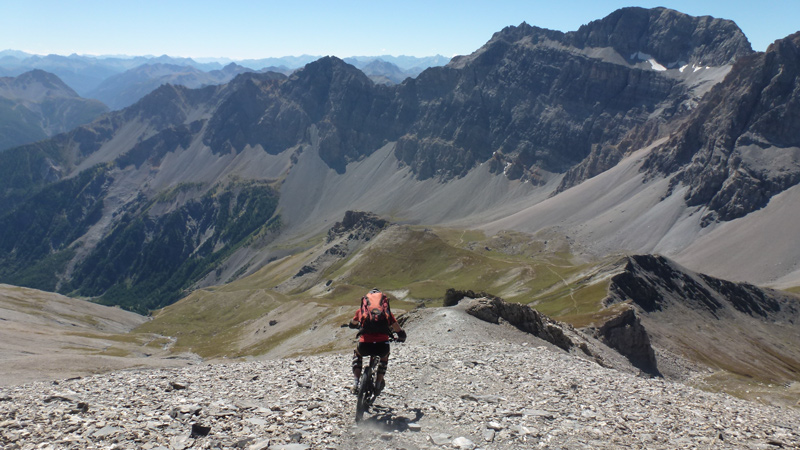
[463, 443]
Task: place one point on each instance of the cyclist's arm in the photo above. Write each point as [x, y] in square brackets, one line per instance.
[396, 327]
[355, 322]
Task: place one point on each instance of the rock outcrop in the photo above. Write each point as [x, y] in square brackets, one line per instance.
[740, 146]
[654, 283]
[344, 239]
[666, 306]
[625, 334]
[527, 319]
[669, 37]
[357, 225]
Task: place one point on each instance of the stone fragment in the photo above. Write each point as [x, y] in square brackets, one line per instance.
[538, 413]
[81, 407]
[495, 426]
[199, 430]
[256, 421]
[262, 444]
[440, 438]
[176, 386]
[60, 398]
[106, 431]
[520, 429]
[463, 443]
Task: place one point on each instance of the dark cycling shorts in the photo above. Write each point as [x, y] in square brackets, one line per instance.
[373, 349]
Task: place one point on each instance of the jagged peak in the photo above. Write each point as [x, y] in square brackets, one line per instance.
[789, 43]
[523, 30]
[669, 36]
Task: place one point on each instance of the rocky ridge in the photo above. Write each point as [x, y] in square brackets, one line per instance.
[448, 387]
[344, 239]
[739, 148]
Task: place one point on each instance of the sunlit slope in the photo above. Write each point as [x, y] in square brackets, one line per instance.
[49, 336]
[299, 303]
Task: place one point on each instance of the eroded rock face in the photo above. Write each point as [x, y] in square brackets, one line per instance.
[626, 334]
[668, 307]
[740, 147]
[357, 224]
[524, 318]
[533, 99]
[653, 283]
[623, 333]
[667, 36]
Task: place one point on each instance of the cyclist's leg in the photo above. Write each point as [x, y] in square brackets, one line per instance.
[382, 365]
[357, 363]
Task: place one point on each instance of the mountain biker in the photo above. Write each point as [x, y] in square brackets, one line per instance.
[374, 343]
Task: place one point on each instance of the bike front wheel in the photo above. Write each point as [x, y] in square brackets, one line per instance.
[364, 392]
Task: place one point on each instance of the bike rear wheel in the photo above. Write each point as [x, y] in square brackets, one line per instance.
[364, 392]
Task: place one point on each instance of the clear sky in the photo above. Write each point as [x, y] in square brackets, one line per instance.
[240, 29]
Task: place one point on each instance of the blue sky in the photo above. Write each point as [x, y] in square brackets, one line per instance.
[240, 29]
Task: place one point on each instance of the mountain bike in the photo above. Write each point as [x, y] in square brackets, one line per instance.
[366, 386]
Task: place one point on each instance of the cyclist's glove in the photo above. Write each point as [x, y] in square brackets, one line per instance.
[353, 324]
[401, 336]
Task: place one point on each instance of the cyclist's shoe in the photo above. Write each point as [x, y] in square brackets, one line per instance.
[379, 387]
[355, 386]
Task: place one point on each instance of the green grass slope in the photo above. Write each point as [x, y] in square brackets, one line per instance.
[415, 266]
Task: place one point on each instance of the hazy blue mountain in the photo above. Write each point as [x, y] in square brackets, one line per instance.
[37, 105]
[85, 73]
[382, 72]
[127, 88]
[408, 63]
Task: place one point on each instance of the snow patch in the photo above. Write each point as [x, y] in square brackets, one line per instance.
[645, 57]
[656, 66]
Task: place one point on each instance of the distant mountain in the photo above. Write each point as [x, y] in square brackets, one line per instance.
[37, 105]
[291, 62]
[382, 72]
[537, 131]
[128, 87]
[407, 63]
[91, 76]
[85, 73]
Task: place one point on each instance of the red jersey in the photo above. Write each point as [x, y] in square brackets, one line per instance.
[374, 337]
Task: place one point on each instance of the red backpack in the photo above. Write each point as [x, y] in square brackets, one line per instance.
[375, 313]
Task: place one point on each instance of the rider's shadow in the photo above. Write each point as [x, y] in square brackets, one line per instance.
[385, 418]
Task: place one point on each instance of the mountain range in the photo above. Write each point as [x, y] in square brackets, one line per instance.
[85, 74]
[648, 132]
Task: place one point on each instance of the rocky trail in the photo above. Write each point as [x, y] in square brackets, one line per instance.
[457, 383]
